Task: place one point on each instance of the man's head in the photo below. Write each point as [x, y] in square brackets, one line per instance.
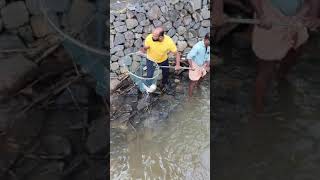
[158, 34]
[207, 40]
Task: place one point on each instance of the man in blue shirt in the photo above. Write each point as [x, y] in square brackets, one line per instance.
[199, 61]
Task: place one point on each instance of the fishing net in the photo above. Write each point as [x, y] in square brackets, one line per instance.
[135, 65]
[82, 28]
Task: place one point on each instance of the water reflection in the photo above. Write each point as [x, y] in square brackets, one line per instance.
[172, 142]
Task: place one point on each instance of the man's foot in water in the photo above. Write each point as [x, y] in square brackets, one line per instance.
[168, 89]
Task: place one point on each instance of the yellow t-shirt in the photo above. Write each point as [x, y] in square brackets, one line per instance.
[158, 51]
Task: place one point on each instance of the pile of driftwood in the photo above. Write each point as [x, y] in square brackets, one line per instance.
[54, 73]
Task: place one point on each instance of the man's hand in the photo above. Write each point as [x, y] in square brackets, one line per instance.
[311, 23]
[177, 67]
[144, 49]
[265, 23]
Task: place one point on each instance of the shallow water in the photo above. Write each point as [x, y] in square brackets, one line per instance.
[172, 142]
[284, 143]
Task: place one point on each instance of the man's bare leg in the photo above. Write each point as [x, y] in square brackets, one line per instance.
[191, 87]
[288, 63]
[265, 70]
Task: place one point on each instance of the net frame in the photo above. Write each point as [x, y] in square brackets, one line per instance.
[140, 81]
[96, 55]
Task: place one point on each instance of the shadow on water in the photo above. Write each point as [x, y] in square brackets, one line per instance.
[171, 142]
[282, 144]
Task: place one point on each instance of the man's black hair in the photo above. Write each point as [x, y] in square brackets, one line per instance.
[207, 36]
[161, 33]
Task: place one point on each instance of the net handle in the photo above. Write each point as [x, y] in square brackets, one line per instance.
[65, 36]
[143, 78]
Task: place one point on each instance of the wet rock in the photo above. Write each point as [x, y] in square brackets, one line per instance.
[203, 31]
[135, 65]
[56, 146]
[130, 50]
[122, 17]
[205, 23]
[196, 26]
[192, 42]
[8, 155]
[116, 49]
[112, 18]
[140, 17]
[181, 30]
[188, 7]
[9, 16]
[183, 13]
[4, 120]
[119, 39]
[25, 33]
[118, 23]
[138, 29]
[49, 171]
[205, 159]
[164, 9]
[40, 25]
[179, 6]
[148, 29]
[174, 1]
[142, 104]
[129, 35]
[145, 23]
[181, 45]
[177, 23]
[13, 71]
[129, 43]
[80, 12]
[131, 23]
[187, 20]
[205, 13]
[2, 3]
[197, 17]
[119, 54]
[57, 5]
[167, 26]
[157, 23]
[123, 117]
[154, 12]
[314, 130]
[171, 32]
[1, 25]
[9, 41]
[196, 4]
[121, 29]
[138, 42]
[97, 141]
[130, 14]
[114, 66]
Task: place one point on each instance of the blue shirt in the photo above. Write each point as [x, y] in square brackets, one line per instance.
[199, 53]
[288, 7]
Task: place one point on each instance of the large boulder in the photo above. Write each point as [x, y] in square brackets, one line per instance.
[9, 14]
[131, 23]
[154, 12]
[13, 73]
[40, 25]
[80, 13]
[196, 4]
[119, 39]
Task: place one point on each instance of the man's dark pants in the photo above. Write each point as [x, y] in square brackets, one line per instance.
[165, 71]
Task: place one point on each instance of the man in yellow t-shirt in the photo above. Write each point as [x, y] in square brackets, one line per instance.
[158, 46]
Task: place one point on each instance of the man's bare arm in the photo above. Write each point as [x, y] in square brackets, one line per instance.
[257, 6]
[144, 49]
